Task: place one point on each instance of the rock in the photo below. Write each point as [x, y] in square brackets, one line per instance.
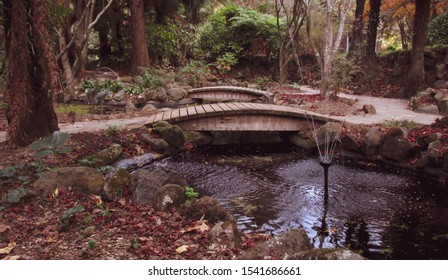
[156, 144]
[328, 132]
[83, 180]
[177, 94]
[433, 137]
[435, 150]
[198, 139]
[388, 94]
[441, 70]
[115, 188]
[443, 106]
[396, 146]
[421, 161]
[151, 95]
[107, 156]
[373, 141]
[225, 235]
[169, 196]
[349, 143]
[282, 246]
[139, 100]
[428, 109]
[162, 95]
[172, 134]
[149, 108]
[130, 108]
[369, 109]
[145, 183]
[327, 254]
[439, 95]
[445, 161]
[119, 96]
[208, 206]
[439, 84]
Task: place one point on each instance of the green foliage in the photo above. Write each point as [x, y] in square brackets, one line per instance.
[78, 109]
[112, 130]
[169, 43]
[263, 82]
[191, 193]
[196, 70]
[225, 62]
[134, 89]
[15, 195]
[52, 144]
[91, 244]
[86, 84]
[438, 30]
[232, 29]
[152, 80]
[401, 123]
[64, 221]
[343, 73]
[115, 86]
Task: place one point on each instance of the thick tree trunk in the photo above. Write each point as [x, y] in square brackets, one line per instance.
[417, 71]
[358, 26]
[31, 75]
[140, 52]
[370, 59]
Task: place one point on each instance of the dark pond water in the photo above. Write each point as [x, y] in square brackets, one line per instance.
[382, 214]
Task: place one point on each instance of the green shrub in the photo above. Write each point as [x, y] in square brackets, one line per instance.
[438, 30]
[232, 29]
[191, 193]
[343, 72]
[225, 62]
[52, 144]
[196, 71]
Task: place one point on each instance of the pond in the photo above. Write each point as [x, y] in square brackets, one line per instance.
[381, 213]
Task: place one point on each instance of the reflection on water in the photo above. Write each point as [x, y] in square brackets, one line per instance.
[379, 214]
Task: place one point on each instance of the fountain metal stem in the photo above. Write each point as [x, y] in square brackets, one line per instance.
[326, 165]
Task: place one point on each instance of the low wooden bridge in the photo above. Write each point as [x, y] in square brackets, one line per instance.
[230, 93]
[238, 116]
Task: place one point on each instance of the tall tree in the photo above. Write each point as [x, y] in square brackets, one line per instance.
[32, 73]
[74, 36]
[417, 72]
[332, 40]
[370, 57]
[140, 52]
[192, 8]
[358, 26]
[293, 13]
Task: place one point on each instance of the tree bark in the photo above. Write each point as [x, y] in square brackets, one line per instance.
[31, 74]
[355, 48]
[417, 71]
[370, 58]
[140, 52]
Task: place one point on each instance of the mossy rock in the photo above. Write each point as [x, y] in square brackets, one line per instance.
[115, 187]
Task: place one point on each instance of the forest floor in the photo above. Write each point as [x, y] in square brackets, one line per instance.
[40, 227]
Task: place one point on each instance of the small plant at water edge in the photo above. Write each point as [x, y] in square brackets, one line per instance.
[112, 130]
[191, 193]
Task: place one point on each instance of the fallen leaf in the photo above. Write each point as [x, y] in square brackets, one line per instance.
[8, 248]
[181, 249]
[4, 228]
[96, 199]
[200, 226]
[11, 258]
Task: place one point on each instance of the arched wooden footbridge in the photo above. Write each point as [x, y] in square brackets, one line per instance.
[230, 93]
[238, 116]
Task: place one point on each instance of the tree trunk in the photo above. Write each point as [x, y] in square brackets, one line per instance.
[358, 26]
[31, 74]
[140, 52]
[370, 58]
[403, 35]
[417, 71]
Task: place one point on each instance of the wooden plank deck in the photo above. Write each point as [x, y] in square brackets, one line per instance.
[237, 116]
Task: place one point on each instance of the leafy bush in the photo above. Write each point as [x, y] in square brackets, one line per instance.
[438, 30]
[15, 195]
[195, 71]
[225, 62]
[52, 144]
[343, 72]
[263, 82]
[232, 29]
[191, 193]
[152, 80]
[133, 89]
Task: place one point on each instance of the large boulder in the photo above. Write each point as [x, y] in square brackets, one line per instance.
[326, 254]
[169, 196]
[435, 150]
[84, 180]
[172, 134]
[396, 146]
[106, 156]
[205, 206]
[373, 140]
[177, 94]
[115, 187]
[119, 96]
[198, 139]
[280, 247]
[146, 184]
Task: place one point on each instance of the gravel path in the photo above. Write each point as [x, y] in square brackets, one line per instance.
[386, 109]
